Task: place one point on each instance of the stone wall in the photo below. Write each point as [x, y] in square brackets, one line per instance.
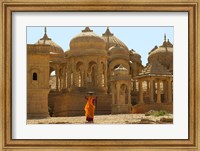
[72, 104]
[37, 105]
[143, 108]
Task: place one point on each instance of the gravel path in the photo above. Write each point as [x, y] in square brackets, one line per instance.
[107, 119]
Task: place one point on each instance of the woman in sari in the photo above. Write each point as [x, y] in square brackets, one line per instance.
[90, 107]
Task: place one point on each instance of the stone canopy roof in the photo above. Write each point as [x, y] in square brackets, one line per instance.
[166, 46]
[163, 54]
[45, 40]
[112, 40]
[134, 56]
[155, 68]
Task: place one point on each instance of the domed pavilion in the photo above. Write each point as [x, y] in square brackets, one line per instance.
[58, 81]
[156, 80]
[87, 60]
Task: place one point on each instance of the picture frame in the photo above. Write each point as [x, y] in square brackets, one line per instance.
[8, 7]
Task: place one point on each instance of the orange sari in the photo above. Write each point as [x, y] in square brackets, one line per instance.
[89, 108]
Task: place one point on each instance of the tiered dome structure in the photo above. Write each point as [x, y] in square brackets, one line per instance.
[163, 54]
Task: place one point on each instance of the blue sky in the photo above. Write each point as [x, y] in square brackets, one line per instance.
[141, 39]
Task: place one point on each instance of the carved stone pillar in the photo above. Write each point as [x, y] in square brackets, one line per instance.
[106, 75]
[129, 96]
[82, 78]
[64, 77]
[134, 86]
[76, 78]
[158, 92]
[113, 94]
[169, 90]
[69, 78]
[57, 75]
[118, 90]
[86, 72]
[99, 73]
[74, 72]
[60, 79]
[147, 87]
[140, 92]
[165, 89]
[151, 95]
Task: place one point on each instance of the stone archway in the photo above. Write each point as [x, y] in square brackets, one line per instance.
[115, 63]
[52, 79]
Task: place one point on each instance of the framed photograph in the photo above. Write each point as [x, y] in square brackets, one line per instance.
[82, 75]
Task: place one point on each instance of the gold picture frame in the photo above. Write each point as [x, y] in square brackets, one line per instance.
[9, 6]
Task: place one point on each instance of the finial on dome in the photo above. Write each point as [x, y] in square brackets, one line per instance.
[107, 32]
[165, 37]
[45, 30]
[87, 29]
[45, 37]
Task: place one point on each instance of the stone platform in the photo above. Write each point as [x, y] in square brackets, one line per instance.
[105, 119]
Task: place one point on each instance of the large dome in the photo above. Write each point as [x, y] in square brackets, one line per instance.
[87, 39]
[163, 54]
[45, 40]
[111, 40]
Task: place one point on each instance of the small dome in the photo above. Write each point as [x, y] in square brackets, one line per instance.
[133, 52]
[134, 56]
[87, 39]
[120, 68]
[118, 52]
[111, 40]
[45, 40]
[161, 50]
[163, 54]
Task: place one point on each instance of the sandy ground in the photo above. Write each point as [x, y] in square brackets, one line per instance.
[107, 119]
